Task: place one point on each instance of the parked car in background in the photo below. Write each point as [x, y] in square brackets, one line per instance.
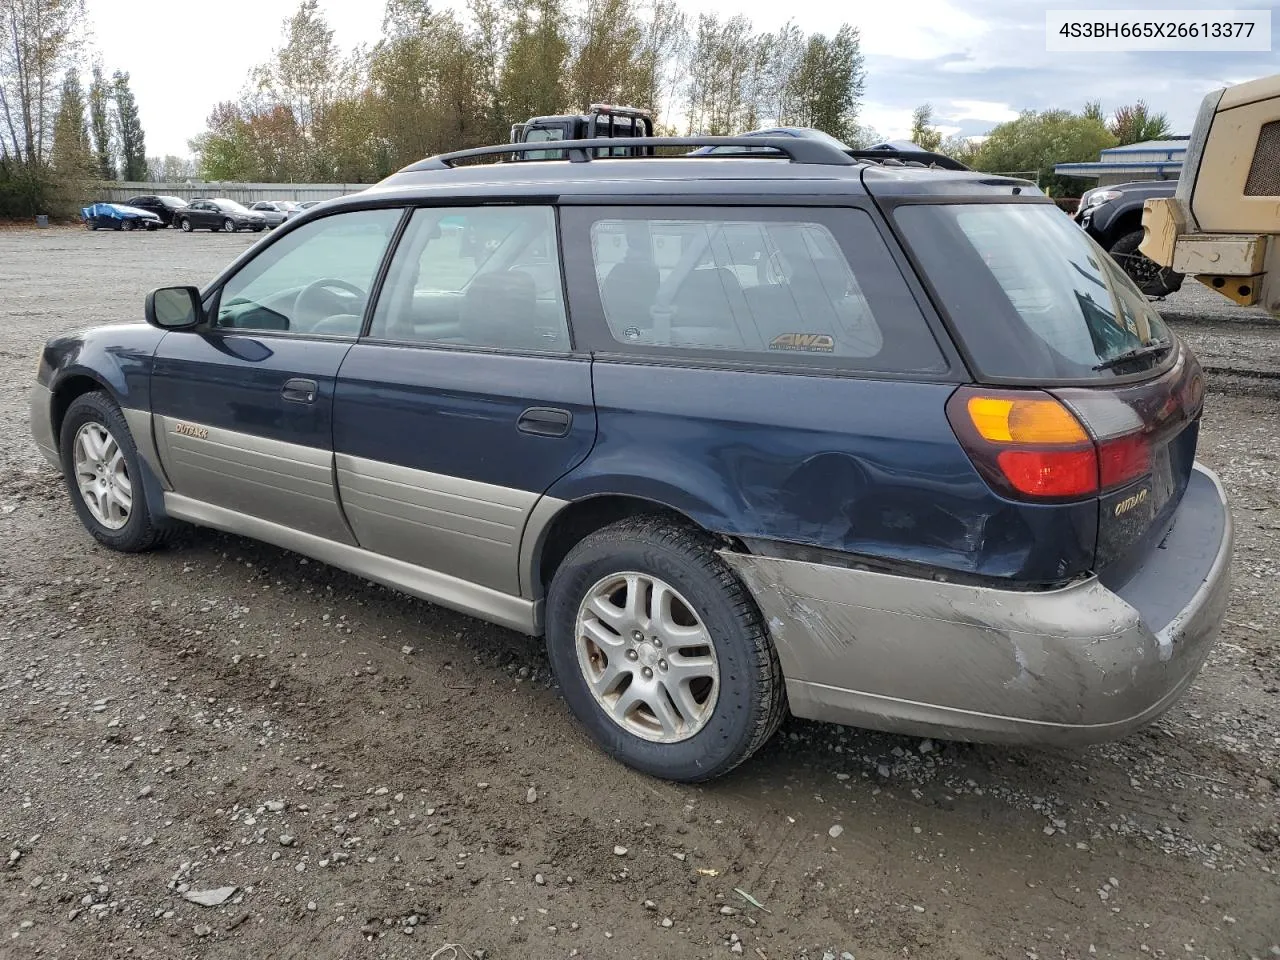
[276, 211]
[163, 207]
[1113, 217]
[887, 445]
[220, 214]
[119, 216]
[302, 207]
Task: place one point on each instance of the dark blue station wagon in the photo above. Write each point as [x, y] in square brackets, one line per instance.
[876, 444]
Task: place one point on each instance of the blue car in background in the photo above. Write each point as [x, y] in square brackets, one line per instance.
[118, 216]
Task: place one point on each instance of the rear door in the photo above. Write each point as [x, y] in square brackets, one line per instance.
[466, 400]
[243, 408]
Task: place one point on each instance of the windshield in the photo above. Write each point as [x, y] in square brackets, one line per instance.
[1029, 293]
[173, 201]
[230, 205]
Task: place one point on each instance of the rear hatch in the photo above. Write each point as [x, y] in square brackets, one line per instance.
[1082, 391]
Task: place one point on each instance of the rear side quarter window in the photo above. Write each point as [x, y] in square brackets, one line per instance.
[811, 287]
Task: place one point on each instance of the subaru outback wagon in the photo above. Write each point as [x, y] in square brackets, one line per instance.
[865, 442]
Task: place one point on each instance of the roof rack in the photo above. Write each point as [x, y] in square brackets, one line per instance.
[581, 151]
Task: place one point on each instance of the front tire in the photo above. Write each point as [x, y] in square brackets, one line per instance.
[184, 225]
[661, 652]
[1151, 278]
[228, 225]
[126, 225]
[103, 473]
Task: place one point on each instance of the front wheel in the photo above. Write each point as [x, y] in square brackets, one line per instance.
[184, 225]
[103, 474]
[228, 225]
[126, 225]
[1151, 278]
[661, 652]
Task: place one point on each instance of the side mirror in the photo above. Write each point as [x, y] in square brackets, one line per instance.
[174, 308]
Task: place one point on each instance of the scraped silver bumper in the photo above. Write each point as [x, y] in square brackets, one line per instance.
[1069, 666]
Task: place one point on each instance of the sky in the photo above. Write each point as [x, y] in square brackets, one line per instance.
[978, 62]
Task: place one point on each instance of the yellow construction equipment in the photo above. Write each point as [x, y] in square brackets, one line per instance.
[1223, 224]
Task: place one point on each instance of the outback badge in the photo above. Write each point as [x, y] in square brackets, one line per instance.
[189, 430]
[1128, 503]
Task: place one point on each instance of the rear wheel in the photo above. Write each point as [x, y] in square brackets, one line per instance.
[660, 651]
[104, 476]
[1150, 277]
[126, 225]
[90, 225]
[228, 225]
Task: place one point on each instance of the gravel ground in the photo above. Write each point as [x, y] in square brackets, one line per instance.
[345, 772]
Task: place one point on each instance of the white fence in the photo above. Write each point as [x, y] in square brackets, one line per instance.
[246, 193]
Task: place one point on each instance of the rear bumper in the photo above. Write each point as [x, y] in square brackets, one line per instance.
[1070, 666]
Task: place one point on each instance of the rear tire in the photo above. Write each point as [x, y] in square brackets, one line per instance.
[732, 698]
[228, 225]
[94, 425]
[126, 225]
[1151, 278]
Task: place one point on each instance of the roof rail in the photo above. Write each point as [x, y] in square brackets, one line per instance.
[923, 157]
[580, 151]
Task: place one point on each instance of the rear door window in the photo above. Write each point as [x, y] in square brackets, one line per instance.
[476, 277]
[816, 287]
[1029, 292]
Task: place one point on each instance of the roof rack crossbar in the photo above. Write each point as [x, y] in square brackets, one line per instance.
[922, 157]
[579, 151]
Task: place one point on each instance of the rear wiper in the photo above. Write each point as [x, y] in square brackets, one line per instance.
[1137, 353]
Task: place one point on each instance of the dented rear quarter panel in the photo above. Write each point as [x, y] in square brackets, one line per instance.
[862, 466]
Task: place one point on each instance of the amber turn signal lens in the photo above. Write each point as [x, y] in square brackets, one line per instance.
[1039, 420]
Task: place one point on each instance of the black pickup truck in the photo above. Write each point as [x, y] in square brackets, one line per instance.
[1113, 217]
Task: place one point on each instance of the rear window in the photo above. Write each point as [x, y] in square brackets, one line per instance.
[822, 291]
[1031, 295]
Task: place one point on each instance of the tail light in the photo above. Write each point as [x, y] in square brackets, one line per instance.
[1030, 446]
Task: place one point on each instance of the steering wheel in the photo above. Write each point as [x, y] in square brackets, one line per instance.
[317, 301]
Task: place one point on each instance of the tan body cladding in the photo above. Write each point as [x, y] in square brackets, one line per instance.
[1223, 226]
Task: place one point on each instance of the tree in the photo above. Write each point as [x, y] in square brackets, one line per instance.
[133, 147]
[532, 79]
[1135, 123]
[923, 133]
[170, 169]
[827, 85]
[72, 157]
[964, 149]
[609, 65]
[302, 81]
[721, 65]
[100, 125]
[38, 43]
[1038, 141]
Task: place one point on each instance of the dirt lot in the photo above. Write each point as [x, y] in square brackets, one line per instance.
[378, 777]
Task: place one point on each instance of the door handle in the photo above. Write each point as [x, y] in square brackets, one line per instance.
[545, 422]
[300, 390]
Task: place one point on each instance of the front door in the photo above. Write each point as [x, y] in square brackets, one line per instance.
[466, 401]
[243, 407]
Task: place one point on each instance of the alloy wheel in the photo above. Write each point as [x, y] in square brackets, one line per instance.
[647, 657]
[102, 476]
